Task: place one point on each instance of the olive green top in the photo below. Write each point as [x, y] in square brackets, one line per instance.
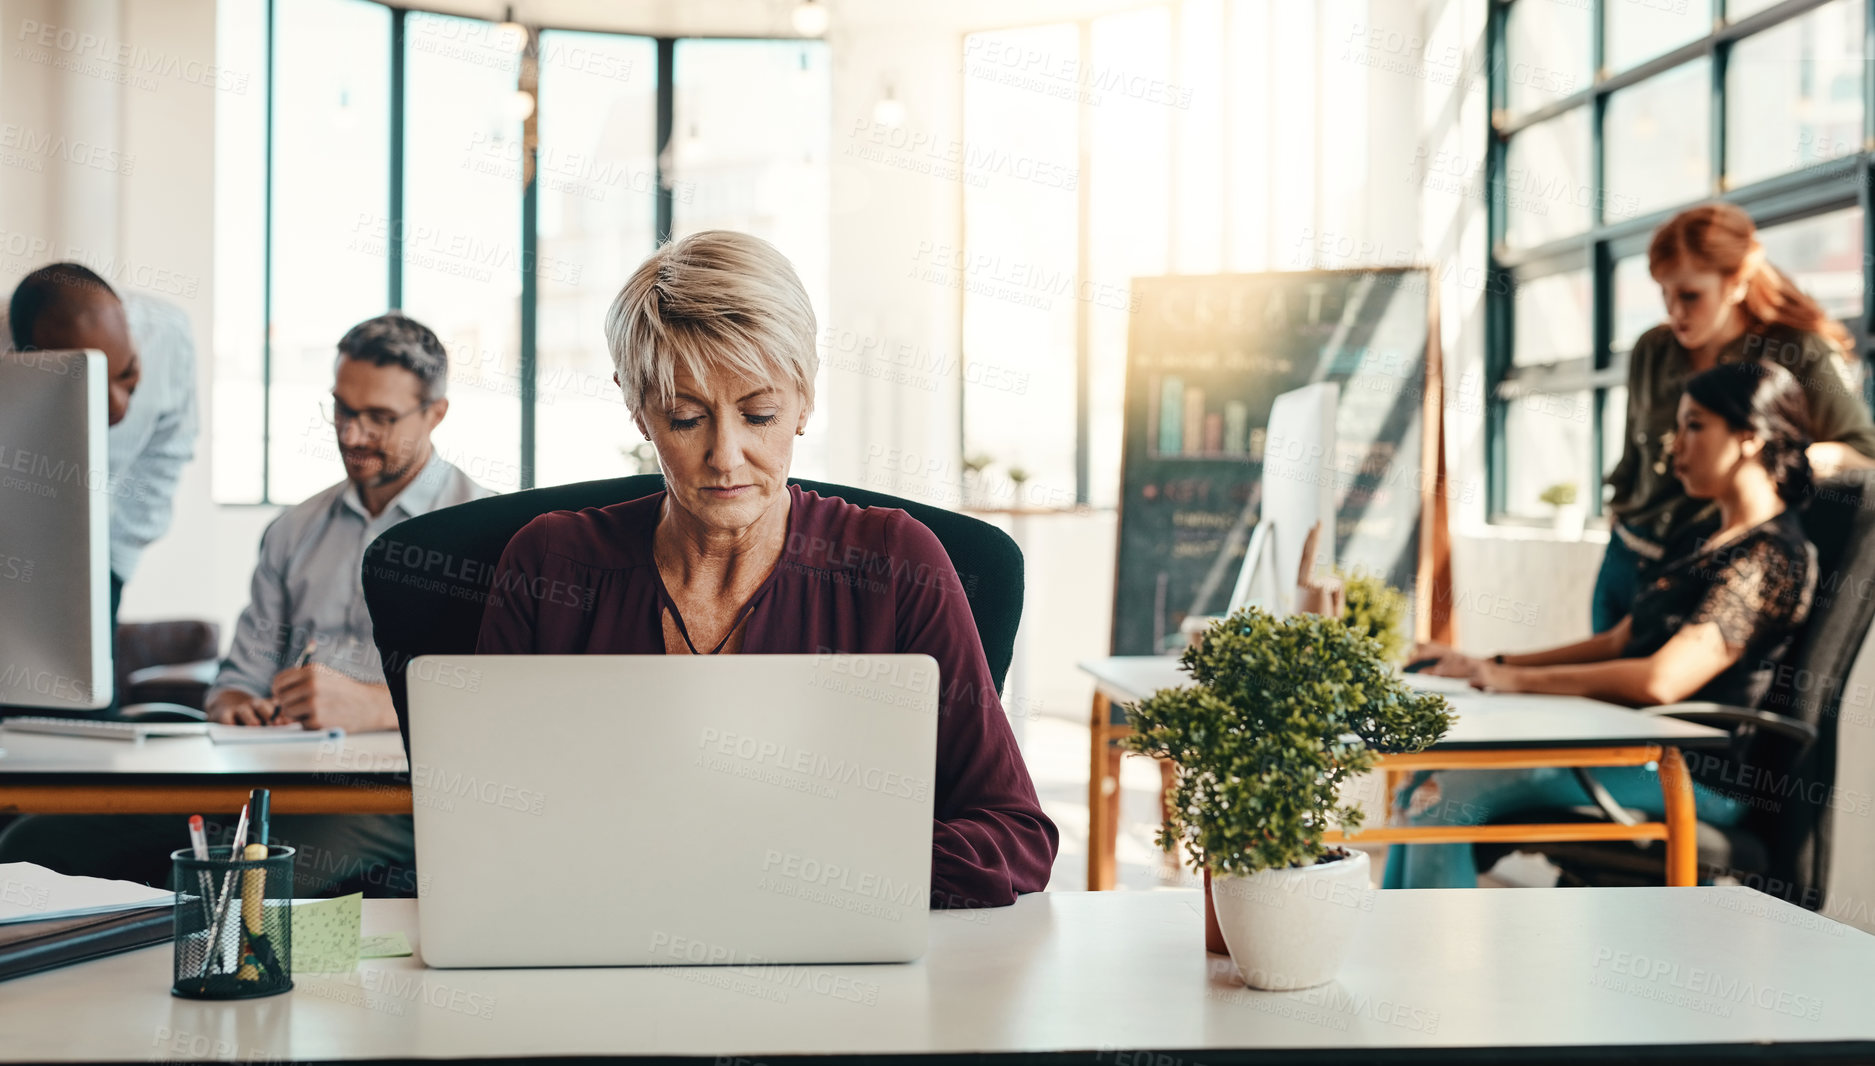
[1648, 498]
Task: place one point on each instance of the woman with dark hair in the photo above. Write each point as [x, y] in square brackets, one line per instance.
[1725, 304]
[1712, 624]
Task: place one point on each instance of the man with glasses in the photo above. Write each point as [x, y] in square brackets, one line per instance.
[303, 651]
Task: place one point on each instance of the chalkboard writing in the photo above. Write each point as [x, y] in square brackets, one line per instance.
[1206, 359]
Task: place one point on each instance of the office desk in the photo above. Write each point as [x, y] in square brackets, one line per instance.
[1443, 975]
[1492, 731]
[363, 773]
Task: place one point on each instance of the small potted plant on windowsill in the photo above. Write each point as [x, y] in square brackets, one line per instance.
[1285, 710]
[1570, 515]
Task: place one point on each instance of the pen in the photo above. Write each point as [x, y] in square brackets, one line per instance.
[198, 843]
[305, 656]
[221, 904]
[257, 805]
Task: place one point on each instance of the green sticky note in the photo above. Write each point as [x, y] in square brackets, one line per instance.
[325, 934]
[384, 946]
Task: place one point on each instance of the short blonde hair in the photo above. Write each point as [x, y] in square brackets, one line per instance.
[715, 300]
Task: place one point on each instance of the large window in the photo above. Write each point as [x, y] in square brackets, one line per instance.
[1757, 101]
[497, 184]
[1202, 137]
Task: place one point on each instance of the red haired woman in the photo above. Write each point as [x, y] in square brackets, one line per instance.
[1725, 304]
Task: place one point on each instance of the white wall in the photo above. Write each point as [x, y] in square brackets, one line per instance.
[126, 186]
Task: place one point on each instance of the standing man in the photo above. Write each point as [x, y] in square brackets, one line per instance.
[303, 649]
[148, 352]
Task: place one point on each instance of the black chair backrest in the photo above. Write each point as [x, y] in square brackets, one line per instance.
[426, 579]
[1793, 794]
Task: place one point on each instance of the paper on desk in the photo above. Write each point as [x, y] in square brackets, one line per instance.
[384, 946]
[268, 734]
[325, 934]
[30, 893]
[1445, 686]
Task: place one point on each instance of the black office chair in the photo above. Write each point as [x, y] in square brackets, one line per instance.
[426, 578]
[1788, 742]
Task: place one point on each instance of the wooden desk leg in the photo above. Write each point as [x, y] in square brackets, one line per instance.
[1676, 789]
[1096, 789]
[1110, 837]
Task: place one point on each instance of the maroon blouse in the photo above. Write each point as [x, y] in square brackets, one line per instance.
[867, 580]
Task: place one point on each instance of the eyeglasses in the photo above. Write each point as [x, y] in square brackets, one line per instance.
[377, 421]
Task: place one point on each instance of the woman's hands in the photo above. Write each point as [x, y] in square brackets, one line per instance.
[1449, 661]
[1829, 458]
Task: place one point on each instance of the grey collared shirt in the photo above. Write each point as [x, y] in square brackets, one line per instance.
[309, 583]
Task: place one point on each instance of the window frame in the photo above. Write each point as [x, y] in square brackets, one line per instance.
[526, 77]
[1791, 196]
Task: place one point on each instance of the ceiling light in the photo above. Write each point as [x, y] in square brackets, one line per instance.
[810, 18]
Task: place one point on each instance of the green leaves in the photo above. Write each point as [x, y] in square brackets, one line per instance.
[1373, 607]
[1284, 711]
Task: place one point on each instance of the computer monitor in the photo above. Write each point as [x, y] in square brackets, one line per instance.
[1298, 492]
[55, 532]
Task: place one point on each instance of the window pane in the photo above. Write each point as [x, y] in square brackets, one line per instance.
[330, 220]
[1639, 30]
[1738, 9]
[1019, 275]
[240, 218]
[1548, 186]
[1553, 319]
[753, 126]
[1794, 94]
[1546, 442]
[1249, 82]
[462, 231]
[1823, 255]
[1127, 185]
[1657, 139]
[1549, 53]
[1614, 429]
[597, 183]
[1637, 303]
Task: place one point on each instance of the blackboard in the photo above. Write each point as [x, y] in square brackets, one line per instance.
[1206, 358]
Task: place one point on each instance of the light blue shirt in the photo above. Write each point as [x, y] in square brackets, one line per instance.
[156, 439]
[309, 584]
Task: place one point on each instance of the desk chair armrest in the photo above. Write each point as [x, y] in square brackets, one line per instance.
[200, 672]
[1725, 714]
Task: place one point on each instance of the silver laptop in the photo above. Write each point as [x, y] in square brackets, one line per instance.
[601, 810]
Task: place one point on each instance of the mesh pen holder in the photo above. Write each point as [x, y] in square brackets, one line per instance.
[234, 924]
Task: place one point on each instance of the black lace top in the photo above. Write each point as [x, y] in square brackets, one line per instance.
[1755, 588]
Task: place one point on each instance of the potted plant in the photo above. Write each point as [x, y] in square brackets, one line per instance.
[1284, 711]
[1018, 477]
[1570, 515]
[974, 466]
[1375, 608]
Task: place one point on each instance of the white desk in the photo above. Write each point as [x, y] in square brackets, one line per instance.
[1492, 730]
[1097, 973]
[365, 773]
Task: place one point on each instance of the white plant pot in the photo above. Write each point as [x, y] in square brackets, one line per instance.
[1291, 928]
[1570, 518]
